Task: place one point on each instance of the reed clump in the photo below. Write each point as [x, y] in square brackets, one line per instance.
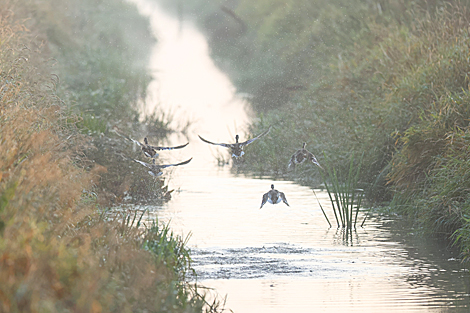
[344, 194]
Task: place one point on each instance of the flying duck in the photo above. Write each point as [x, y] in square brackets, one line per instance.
[151, 151]
[273, 196]
[148, 150]
[237, 148]
[155, 170]
[300, 156]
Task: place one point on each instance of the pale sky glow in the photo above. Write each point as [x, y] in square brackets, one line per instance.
[186, 81]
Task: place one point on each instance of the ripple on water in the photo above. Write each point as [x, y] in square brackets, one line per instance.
[283, 260]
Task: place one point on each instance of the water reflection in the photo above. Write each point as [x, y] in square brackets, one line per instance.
[378, 274]
[346, 236]
[186, 81]
[278, 258]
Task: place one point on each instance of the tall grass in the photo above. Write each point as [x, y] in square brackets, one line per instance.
[100, 52]
[344, 193]
[57, 251]
[286, 48]
[401, 98]
[387, 79]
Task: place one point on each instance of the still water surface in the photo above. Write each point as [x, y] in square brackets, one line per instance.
[279, 258]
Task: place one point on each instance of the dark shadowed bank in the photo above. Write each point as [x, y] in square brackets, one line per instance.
[388, 80]
[71, 72]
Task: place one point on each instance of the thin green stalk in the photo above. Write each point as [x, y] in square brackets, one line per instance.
[349, 196]
[331, 199]
[338, 197]
[365, 217]
[351, 186]
[140, 219]
[321, 207]
[359, 201]
[133, 220]
[361, 195]
[343, 196]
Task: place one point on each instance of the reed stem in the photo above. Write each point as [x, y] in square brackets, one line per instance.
[344, 194]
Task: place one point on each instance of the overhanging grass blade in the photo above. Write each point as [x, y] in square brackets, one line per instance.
[329, 193]
[355, 189]
[365, 217]
[140, 218]
[358, 205]
[337, 194]
[133, 220]
[348, 194]
[321, 207]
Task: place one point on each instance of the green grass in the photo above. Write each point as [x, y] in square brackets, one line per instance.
[388, 81]
[60, 251]
[101, 51]
[344, 193]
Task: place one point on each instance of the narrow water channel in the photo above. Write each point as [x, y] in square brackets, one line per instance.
[278, 258]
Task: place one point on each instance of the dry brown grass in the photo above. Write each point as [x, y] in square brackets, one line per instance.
[57, 253]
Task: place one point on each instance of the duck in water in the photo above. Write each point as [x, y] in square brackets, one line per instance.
[236, 148]
[273, 196]
[300, 156]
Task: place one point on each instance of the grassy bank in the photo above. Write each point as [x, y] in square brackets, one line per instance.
[63, 85]
[386, 80]
[98, 53]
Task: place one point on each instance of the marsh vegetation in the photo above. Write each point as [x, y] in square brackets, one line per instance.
[386, 79]
[344, 193]
[70, 72]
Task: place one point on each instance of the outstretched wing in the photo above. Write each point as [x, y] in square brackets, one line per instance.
[265, 199]
[292, 161]
[154, 169]
[312, 158]
[149, 151]
[155, 173]
[283, 198]
[137, 142]
[147, 165]
[177, 164]
[169, 148]
[246, 143]
[226, 145]
[124, 136]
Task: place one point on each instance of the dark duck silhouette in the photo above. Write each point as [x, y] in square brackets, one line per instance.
[273, 196]
[151, 151]
[155, 169]
[300, 156]
[236, 148]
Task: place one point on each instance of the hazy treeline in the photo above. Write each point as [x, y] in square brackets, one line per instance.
[384, 79]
